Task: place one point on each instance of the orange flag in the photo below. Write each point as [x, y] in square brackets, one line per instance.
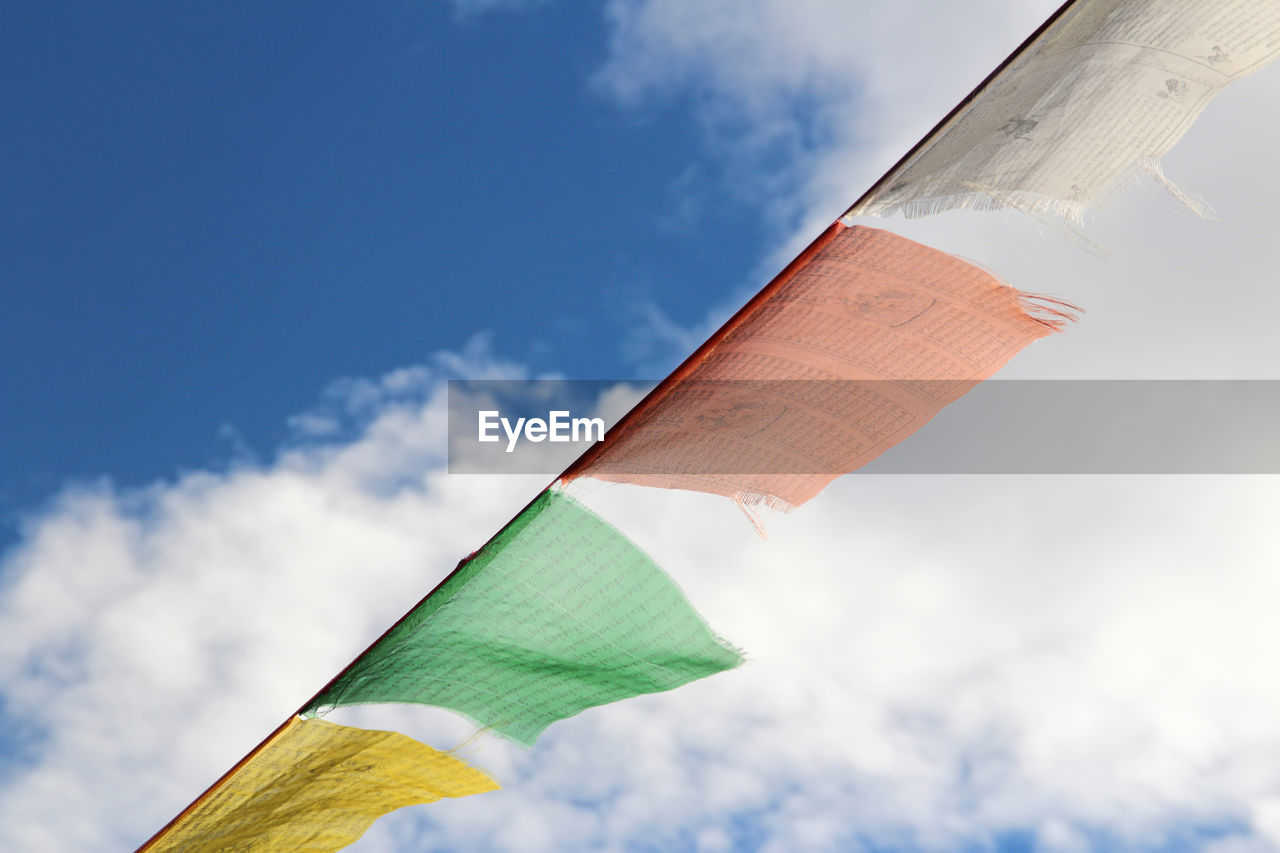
[855, 346]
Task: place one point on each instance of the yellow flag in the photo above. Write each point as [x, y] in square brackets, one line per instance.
[317, 786]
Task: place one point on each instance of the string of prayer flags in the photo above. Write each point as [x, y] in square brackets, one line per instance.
[1108, 87]
[851, 349]
[559, 613]
[316, 787]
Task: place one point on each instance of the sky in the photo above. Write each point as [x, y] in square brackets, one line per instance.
[245, 247]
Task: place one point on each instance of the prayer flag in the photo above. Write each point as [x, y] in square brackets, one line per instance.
[1110, 86]
[559, 613]
[850, 350]
[316, 787]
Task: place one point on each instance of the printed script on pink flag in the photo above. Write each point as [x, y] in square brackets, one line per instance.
[851, 349]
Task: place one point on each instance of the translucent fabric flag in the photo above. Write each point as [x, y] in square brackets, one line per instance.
[858, 343]
[1108, 87]
[315, 787]
[559, 613]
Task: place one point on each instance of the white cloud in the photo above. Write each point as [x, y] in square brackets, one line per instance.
[152, 636]
[810, 100]
[932, 661]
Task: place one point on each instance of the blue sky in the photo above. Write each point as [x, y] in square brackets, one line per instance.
[214, 211]
[229, 227]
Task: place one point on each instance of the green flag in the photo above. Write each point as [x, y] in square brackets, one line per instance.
[559, 613]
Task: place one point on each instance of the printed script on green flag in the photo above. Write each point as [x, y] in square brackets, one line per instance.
[559, 613]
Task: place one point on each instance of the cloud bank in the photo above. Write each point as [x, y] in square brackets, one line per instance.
[934, 662]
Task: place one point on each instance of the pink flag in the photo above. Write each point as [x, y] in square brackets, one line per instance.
[851, 349]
